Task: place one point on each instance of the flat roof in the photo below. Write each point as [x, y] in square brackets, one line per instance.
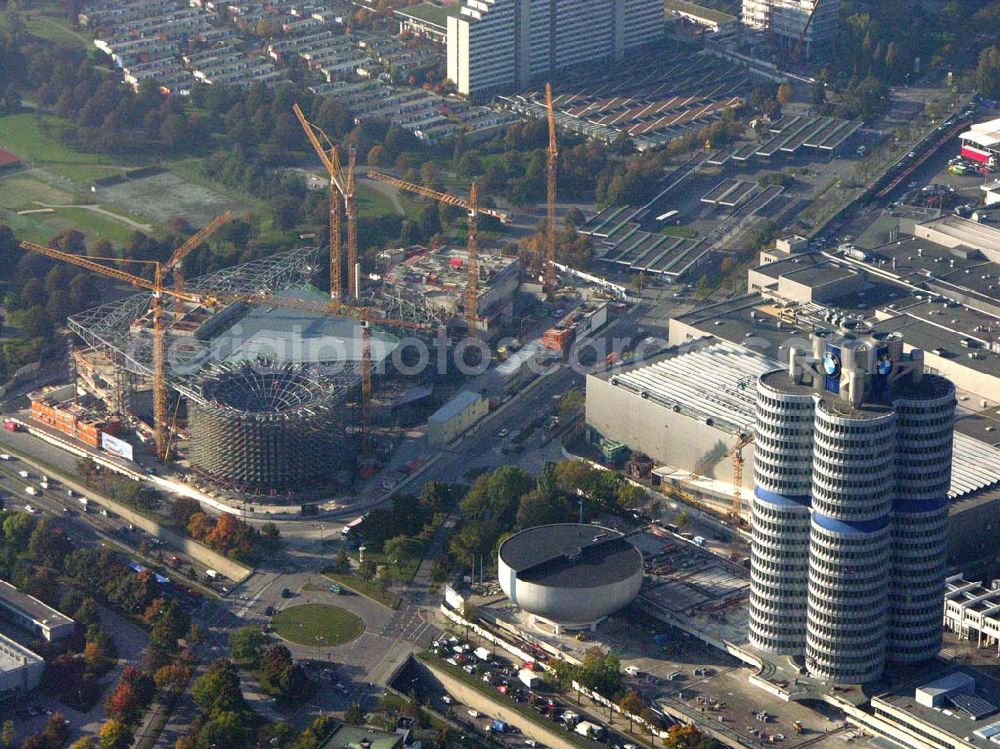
[298, 336]
[431, 14]
[13, 655]
[941, 336]
[571, 555]
[32, 607]
[693, 9]
[354, 737]
[950, 719]
[789, 264]
[966, 231]
[820, 274]
[455, 406]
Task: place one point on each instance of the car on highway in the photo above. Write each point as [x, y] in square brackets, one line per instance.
[503, 433]
[4, 456]
[473, 713]
[29, 509]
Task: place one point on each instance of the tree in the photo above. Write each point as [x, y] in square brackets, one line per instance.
[574, 217]
[85, 742]
[183, 509]
[354, 714]
[341, 563]
[200, 525]
[172, 677]
[632, 704]
[17, 530]
[246, 645]
[784, 94]
[988, 72]
[402, 549]
[8, 734]
[377, 156]
[218, 689]
[367, 570]
[115, 735]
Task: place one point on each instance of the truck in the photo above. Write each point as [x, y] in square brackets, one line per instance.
[211, 574]
[84, 503]
[590, 730]
[482, 654]
[529, 678]
[11, 426]
[31, 490]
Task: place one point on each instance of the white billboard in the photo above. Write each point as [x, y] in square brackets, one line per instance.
[115, 446]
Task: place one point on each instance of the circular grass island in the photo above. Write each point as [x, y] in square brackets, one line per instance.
[316, 625]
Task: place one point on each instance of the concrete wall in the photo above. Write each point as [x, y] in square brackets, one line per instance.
[668, 437]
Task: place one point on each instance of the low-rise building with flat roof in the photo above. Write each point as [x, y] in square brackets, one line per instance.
[456, 417]
[958, 709]
[31, 615]
[20, 670]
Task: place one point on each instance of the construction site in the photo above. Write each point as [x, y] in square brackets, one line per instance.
[252, 380]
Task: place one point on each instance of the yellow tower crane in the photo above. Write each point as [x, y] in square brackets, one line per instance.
[471, 294]
[737, 508]
[327, 153]
[551, 283]
[175, 264]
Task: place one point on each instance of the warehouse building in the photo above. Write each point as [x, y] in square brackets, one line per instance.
[20, 671]
[31, 615]
[499, 45]
[456, 417]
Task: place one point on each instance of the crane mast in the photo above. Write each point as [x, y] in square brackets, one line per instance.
[551, 282]
[350, 208]
[472, 280]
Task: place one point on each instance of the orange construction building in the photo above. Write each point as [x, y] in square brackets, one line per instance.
[53, 409]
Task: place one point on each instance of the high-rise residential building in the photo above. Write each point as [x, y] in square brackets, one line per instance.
[788, 21]
[852, 466]
[500, 45]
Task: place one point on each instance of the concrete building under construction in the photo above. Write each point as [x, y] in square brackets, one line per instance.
[267, 429]
[270, 389]
[438, 279]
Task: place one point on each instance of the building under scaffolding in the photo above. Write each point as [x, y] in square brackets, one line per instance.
[267, 434]
[267, 429]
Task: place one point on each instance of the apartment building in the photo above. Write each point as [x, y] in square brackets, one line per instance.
[814, 22]
[498, 45]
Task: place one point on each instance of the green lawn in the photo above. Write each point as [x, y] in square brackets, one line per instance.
[317, 625]
[371, 202]
[363, 587]
[49, 27]
[33, 138]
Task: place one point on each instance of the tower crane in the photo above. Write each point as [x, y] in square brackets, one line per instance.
[737, 458]
[327, 153]
[802, 34]
[471, 205]
[156, 310]
[551, 282]
[175, 264]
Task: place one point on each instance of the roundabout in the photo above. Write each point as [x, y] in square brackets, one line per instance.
[317, 625]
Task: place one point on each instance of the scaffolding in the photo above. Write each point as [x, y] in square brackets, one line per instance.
[267, 429]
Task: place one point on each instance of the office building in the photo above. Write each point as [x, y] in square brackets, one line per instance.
[500, 45]
[852, 465]
[807, 25]
[31, 615]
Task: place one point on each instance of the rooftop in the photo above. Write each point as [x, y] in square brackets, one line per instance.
[970, 716]
[942, 337]
[13, 655]
[698, 11]
[716, 383]
[455, 406]
[31, 606]
[359, 737]
[431, 14]
[819, 274]
[571, 555]
[983, 133]
[967, 232]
